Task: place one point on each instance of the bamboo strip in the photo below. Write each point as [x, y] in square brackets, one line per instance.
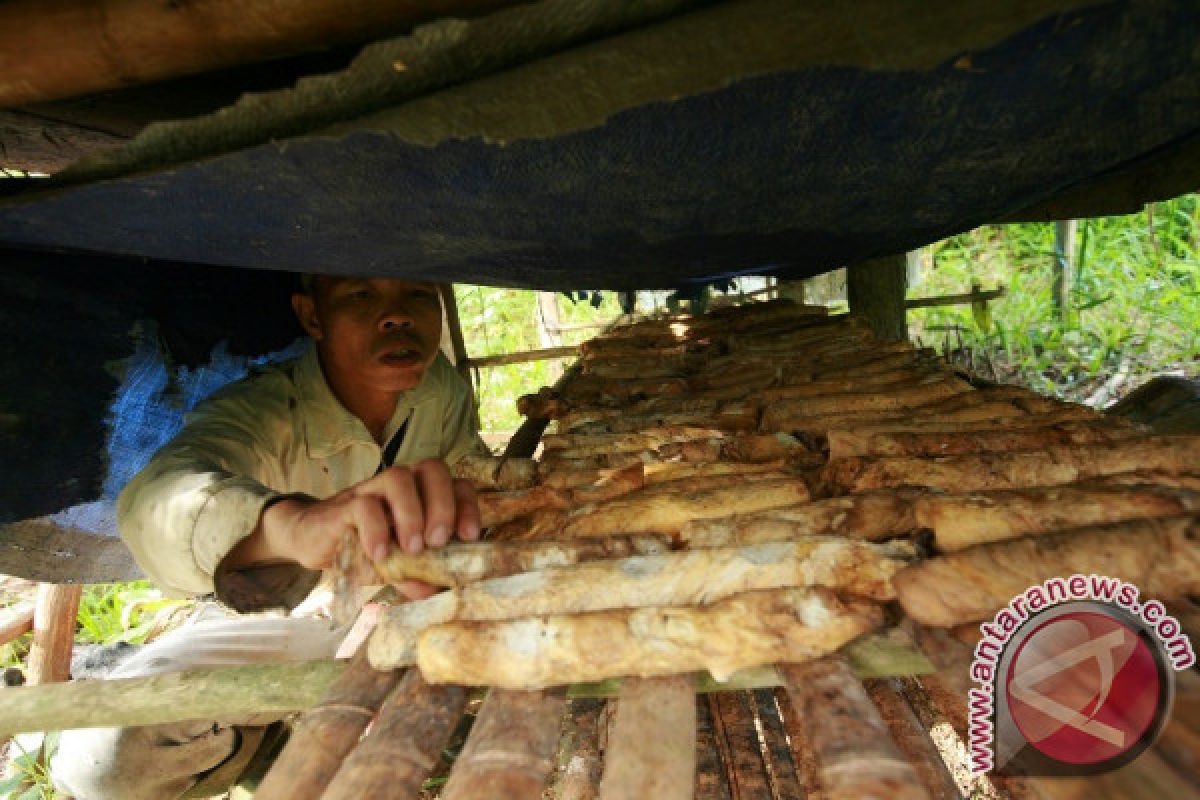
[510, 751]
[403, 745]
[652, 746]
[855, 756]
[325, 736]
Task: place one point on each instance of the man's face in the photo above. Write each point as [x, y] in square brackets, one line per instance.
[373, 334]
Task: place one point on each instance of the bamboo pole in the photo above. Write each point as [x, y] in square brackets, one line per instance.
[652, 745]
[53, 633]
[566, 351]
[403, 745]
[15, 621]
[510, 752]
[854, 753]
[202, 693]
[325, 736]
[968, 298]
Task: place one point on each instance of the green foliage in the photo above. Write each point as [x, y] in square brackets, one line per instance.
[1134, 311]
[29, 777]
[120, 612]
[498, 321]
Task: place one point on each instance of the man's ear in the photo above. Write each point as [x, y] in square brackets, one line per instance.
[305, 307]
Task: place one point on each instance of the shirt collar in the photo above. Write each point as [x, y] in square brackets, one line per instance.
[328, 426]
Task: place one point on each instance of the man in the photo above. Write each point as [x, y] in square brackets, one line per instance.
[252, 499]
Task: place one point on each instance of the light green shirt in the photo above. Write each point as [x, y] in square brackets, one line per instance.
[278, 431]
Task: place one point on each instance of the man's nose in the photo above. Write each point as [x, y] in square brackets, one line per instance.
[396, 316]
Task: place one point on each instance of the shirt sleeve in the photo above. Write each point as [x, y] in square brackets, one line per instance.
[203, 492]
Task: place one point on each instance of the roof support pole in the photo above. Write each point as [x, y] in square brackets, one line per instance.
[875, 289]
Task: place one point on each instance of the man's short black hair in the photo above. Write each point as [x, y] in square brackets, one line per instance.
[307, 282]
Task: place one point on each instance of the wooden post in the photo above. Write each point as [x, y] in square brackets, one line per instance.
[1064, 265]
[53, 633]
[454, 325]
[15, 622]
[875, 289]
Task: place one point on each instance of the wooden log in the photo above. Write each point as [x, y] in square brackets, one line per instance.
[846, 444]
[968, 415]
[53, 633]
[524, 356]
[668, 511]
[877, 381]
[652, 745]
[1049, 466]
[577, 445]
[613, 483]
[496, 508]
[403, 745]
[461, 564]
[938, 387]
[667, 579]
[15, 621]
[963, 520]
[324, 736]
[203, 693]
[871, 515]
[544, 404]
[1159, 556]
[854, 753]
[782, 771]
[1011, 418]
[510, 751]
[742, 631]
[498, 473]
[711, 780]
[744, 418]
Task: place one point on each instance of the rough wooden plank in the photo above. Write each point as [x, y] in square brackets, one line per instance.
[912, 738]
[580, 761]
[40, 550]
[652, 746]
[53, 634]
[325, 736]
[510, 751]
[855, 755]
[711, 781]
[781, 766]
[403, 745]
[733, 725]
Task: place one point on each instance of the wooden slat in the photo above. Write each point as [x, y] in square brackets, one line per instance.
[912, 738]
[652, 746]
[53, 634]
[403, 745]
[580, 762]
[733, 726]
[711, 780]
[325, 736]
[510, 751]
[781, 767]
[854, 753]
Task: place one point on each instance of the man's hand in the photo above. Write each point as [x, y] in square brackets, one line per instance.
[407, 507]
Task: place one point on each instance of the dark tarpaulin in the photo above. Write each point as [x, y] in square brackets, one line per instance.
[791, 173]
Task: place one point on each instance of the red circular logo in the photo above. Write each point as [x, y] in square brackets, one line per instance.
[1083, 688]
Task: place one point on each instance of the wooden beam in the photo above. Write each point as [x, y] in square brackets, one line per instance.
[875, 289]
[956, 299]
[15, 621]
[76, 47]
[652, 745]
[502, 359]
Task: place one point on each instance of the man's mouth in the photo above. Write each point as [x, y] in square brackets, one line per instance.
[401, 357]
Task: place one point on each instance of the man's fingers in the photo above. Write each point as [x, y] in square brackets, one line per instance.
[367, 515]
[404, 501]
[437, 493]
[469, 522]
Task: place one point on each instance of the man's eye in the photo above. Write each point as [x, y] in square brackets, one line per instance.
[361, 294]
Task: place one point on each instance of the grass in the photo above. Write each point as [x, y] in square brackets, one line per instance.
[1134, 312]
